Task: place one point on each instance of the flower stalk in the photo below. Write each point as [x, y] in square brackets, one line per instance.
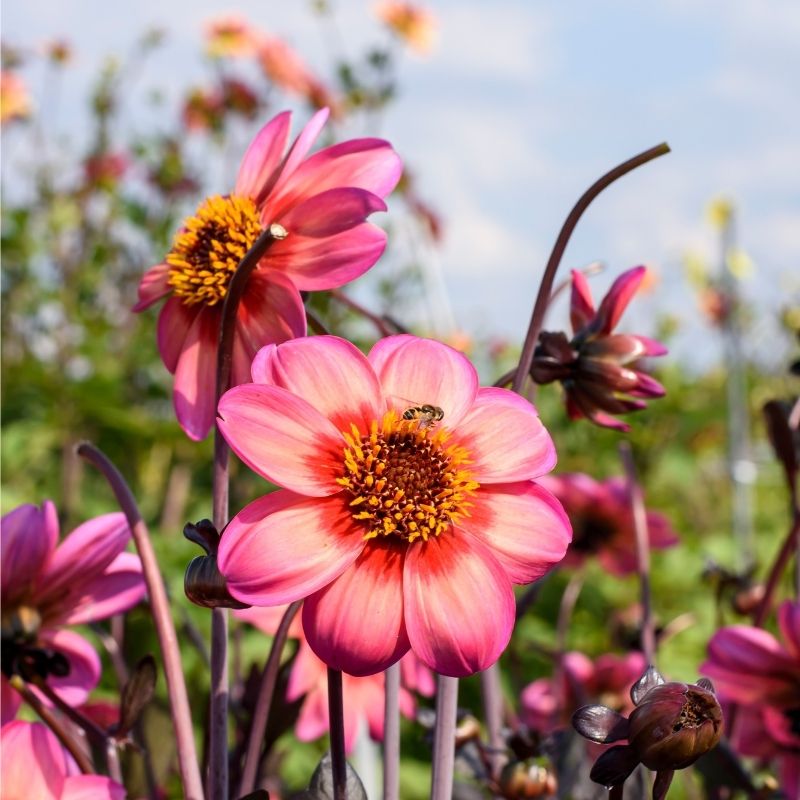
[391, 734]
[165, 627]
[444, 738]
[336, 716]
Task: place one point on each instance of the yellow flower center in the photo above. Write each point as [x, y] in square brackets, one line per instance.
[405, 480]
[209, 247]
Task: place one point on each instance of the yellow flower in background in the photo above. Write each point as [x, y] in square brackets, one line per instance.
[739, 263]
[415, 25]
[229, 36]
[720, 212]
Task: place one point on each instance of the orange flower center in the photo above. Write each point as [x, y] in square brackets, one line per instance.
[405, 480]
[209, 247]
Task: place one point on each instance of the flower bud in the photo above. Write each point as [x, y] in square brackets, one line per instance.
[674, 724]
[205, 585]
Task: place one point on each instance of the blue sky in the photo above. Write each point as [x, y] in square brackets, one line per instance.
[519, 108]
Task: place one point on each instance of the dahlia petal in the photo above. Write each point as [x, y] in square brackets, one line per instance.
[319, 264]
[283, 547]
[82, 557]
[369, 164]
[789, 623]
[331, 212]
[581, 309]
[523, 525]
[28, 536]
[308, 672]
[263, 157]
[120, 587]
[194, 389]
[352, 392]
[416, 676]
[174, 323]
[652, 347]
[283, 438]
[33, 763]
[153, 286]
[458, 604]
[355, 623]
[505, 438]
[10, 701]
[92, 787]
[84, 664]
[415, 371]
[313, 720]
[579, 406]
[647, 387]
[616, 300]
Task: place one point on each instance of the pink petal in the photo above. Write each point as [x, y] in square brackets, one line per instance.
[283, 547]
[10, 701]
[174, 323]
[616, 300]
[153, 286]
[416, 371]
[283, 438]
[416, 676]
[308, 673]
[355, 623]
[119, 588]
[331, 212]
[319, 264]
[194, 388]
[789, 623]
[581, 308]
[257, 172]
[523, 525]
[369, 164]
[505, 438]
[352, 393]
[313, 720]
[458, 603]
[33, 763]
[28, 536]
[652, 347]
[82, 556]
[268, 618]
[92, 787]
[84, 663]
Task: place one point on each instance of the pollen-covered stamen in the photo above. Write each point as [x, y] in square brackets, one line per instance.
[405, 480]
[208, 249]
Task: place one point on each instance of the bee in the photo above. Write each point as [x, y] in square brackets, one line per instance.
[426, 415]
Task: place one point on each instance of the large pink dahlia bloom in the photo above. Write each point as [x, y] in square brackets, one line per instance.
[46, 585]
[322, 203]
[409, 506]
[36, 767]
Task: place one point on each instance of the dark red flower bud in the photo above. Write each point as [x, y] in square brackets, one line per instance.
[203, 583]
[674, 724]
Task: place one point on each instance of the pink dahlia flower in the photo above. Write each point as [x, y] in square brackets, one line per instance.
[409, 506]
[36, 766]
[602, 521]
[363, 697]
[46, 586]
[321, 202]
[548, 704]
[601, 371]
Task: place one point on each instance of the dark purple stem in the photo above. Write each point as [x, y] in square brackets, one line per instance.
[546, 286]
[615, 792]
[492, 696]
[379, 323]
[642, 552]
[264, 702]
[788, 549]
[444, 749]
[218, 734]
[336, 717]
[165, 628]
[391, 734]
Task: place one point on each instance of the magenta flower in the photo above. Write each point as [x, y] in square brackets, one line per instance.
[363, 697]
[409, 506]
[547, 704]
[600, 371]
[35, 765]
[602, 521]
[46, 586]
[321, 202]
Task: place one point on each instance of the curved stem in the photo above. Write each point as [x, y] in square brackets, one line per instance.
[789, 548]
[265, 694]
[377, 321]
[316, 324]
[391, 734]
[336, 718]
[642, 552]
[546, 286]
[165, 628]
[444, 750]
[568, 600]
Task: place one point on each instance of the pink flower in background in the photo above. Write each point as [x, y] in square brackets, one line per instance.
[36, 767]
[363, 697]
[321, 201]
[46, 585]
[602, 521]
[548, 704]
[15, 101]
[600, 371]
[409, 506]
